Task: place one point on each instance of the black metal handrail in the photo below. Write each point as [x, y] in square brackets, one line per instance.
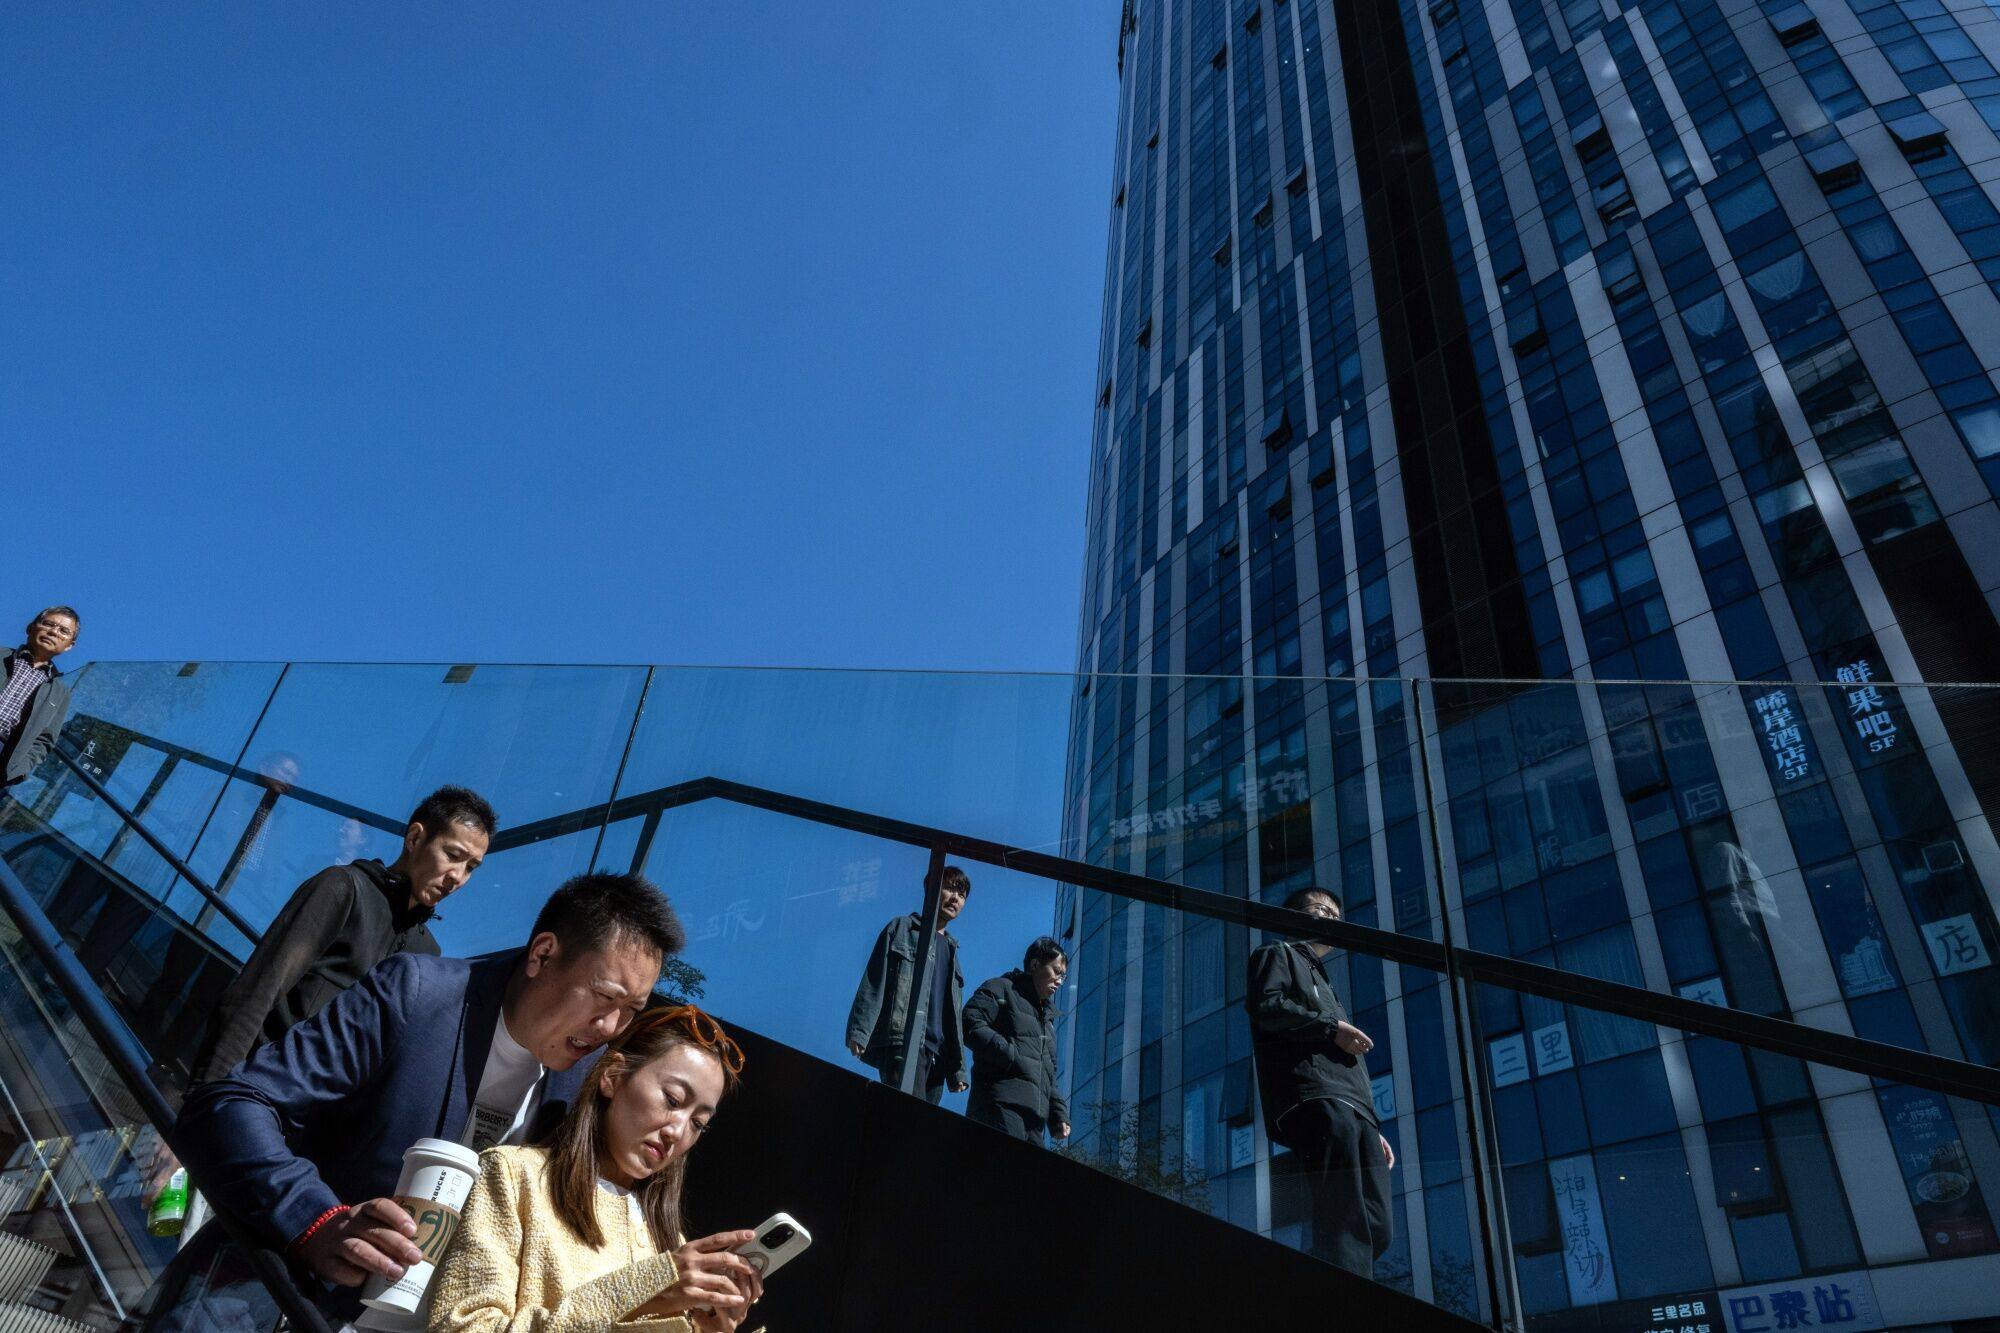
[152, 839]
[1861, 1055]
[128, 1059]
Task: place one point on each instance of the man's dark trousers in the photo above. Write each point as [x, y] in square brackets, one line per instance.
[1338, 1152]
[1014, 1121]
[930, 1083]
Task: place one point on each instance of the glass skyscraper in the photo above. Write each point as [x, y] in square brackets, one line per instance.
[1596, 343]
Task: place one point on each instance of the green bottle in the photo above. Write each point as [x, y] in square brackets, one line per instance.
[170, 1206]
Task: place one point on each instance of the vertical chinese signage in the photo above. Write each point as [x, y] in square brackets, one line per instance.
[1867, 709]
[1586, 1248]
[1784, 735]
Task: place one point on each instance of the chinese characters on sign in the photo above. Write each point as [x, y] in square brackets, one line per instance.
[1273, 791]
[1184, 815]
[1955, 945]
[1866, 708]
[1841, 1301]
[1949, 1205]
[1586, 1251]
[1708, 990]
[1383, 1088]
[1194, 1127]
[1784, 735]
[1552, 1053]
[1509, 1058]
[1681, 1317]
[860, 881]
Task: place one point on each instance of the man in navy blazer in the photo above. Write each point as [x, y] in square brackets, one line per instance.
[303, 1144]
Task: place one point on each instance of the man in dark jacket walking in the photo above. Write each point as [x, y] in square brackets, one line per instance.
[342, 922]
[1012, 1033]
[33, 699]
[337, 926]
[1313, 1081]
[879, 1019]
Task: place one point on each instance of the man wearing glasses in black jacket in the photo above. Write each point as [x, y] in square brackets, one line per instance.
[1312, 1077]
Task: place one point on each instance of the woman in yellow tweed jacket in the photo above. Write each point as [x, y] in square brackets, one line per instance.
[586, 1234]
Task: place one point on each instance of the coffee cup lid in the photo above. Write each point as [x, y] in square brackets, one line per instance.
[456, 1153]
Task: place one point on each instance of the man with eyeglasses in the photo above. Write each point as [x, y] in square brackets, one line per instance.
[34, 701]
[1312, 1077]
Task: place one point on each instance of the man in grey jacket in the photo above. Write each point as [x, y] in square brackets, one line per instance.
[879, 1019]
[1010, 1026]
[34, 701]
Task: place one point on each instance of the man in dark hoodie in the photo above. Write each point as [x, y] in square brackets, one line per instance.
[342, 922]
[1011, 1031]
[337, 926]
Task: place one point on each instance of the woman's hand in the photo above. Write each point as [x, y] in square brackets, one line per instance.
[709, 1275]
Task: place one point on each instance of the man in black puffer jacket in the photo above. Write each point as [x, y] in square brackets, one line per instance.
[1011, 1033]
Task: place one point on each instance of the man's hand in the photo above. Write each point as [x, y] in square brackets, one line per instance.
[856, 1048]
[957, 1084]
[1352, 1039]
[1059, 1129]
[158, 1169]
[369, 1238]
[1388, 1153]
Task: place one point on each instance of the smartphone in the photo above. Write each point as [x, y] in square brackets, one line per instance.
[779, 1241]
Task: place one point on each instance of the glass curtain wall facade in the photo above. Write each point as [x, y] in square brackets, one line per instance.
[1510, 339]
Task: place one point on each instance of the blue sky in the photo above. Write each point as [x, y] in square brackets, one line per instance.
[757, 333]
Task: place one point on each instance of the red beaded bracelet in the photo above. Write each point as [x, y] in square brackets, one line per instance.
[318, 1222]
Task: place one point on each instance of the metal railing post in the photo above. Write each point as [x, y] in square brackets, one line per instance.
[920, 984]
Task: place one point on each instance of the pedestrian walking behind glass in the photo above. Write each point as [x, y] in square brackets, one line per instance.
[1312, 1077]
[585, 1233]
[34, 701]
[879, 1019]
[1010, 1028]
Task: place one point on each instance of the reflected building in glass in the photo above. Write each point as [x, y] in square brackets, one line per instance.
[1509, 339]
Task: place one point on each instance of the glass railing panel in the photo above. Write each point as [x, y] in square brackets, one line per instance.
[1256, 786]
[345, 753]
[787, 918]
[980, 753]
[74, 1250]
[1160, 1019]
[162, 972]
[159, 735]
[1817, 853]
[1665, 1179]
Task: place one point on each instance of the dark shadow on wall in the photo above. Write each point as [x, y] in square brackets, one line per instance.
[923, 1220]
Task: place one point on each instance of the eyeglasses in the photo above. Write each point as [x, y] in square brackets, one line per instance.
[61, 630]
[700, 1027]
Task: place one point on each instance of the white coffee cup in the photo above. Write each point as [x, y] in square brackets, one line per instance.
[437, 1177]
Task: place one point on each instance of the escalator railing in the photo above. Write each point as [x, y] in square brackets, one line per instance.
[102, 997]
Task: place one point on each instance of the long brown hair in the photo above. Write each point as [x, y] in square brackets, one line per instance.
[577, 1145]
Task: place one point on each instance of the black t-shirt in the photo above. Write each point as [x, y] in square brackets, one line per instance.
[941, 966]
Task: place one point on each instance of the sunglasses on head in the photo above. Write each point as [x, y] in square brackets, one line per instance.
[699, 1027]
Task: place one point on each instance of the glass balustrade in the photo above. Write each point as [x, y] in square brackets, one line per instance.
[1815, 854]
